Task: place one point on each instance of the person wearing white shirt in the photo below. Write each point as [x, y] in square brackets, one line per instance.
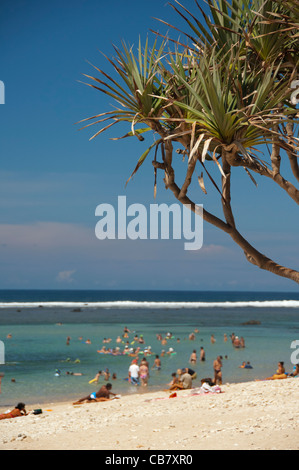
[134, 373]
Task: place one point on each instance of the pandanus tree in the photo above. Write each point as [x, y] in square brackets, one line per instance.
[219, 97]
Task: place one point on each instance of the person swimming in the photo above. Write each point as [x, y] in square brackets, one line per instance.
[246, 365]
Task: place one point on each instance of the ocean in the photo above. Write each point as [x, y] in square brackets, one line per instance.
[35, 325]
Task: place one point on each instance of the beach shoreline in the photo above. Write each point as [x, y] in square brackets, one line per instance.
[256, 415]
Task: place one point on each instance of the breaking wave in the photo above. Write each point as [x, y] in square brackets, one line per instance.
[129, 304]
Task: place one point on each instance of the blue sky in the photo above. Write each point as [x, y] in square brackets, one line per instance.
[52, 177]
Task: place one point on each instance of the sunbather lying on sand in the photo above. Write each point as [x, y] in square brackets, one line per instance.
[19, 410]
[101, 395]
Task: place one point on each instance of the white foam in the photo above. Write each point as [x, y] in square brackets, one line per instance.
[128, 304]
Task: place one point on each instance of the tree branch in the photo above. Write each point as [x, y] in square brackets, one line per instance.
[189, 174]
[226, 195]
[293, 157]
[234, 159]
[252, 255]
[275, 155]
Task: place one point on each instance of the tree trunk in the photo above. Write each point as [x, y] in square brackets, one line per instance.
[262, 261]
[252, 255]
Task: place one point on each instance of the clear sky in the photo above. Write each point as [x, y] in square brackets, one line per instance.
[52, 177]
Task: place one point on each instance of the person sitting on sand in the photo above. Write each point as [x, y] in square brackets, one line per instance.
[189, 371]
[186, 379]
[174, 380]
[19, 410]
[280, 373]
[175, 384]
[295, 371]
[101, 395]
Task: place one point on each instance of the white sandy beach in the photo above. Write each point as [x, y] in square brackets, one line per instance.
[254, 416]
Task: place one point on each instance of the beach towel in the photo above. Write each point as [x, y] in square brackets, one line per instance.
[206, 388]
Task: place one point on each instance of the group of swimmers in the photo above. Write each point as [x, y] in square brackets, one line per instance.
[138, 341]
[139, 373]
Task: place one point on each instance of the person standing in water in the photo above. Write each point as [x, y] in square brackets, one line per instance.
[202, 354]
[193, 357]
[217, 365]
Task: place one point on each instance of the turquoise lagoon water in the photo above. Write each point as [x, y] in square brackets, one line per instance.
[39, 323]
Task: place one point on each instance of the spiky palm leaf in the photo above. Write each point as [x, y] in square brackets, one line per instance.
[226, 101]
[136, 85]
[219, 97]
[207, 96]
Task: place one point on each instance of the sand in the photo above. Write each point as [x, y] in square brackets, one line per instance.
[249, 416]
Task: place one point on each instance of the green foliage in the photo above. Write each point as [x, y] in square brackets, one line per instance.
[231, 85]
